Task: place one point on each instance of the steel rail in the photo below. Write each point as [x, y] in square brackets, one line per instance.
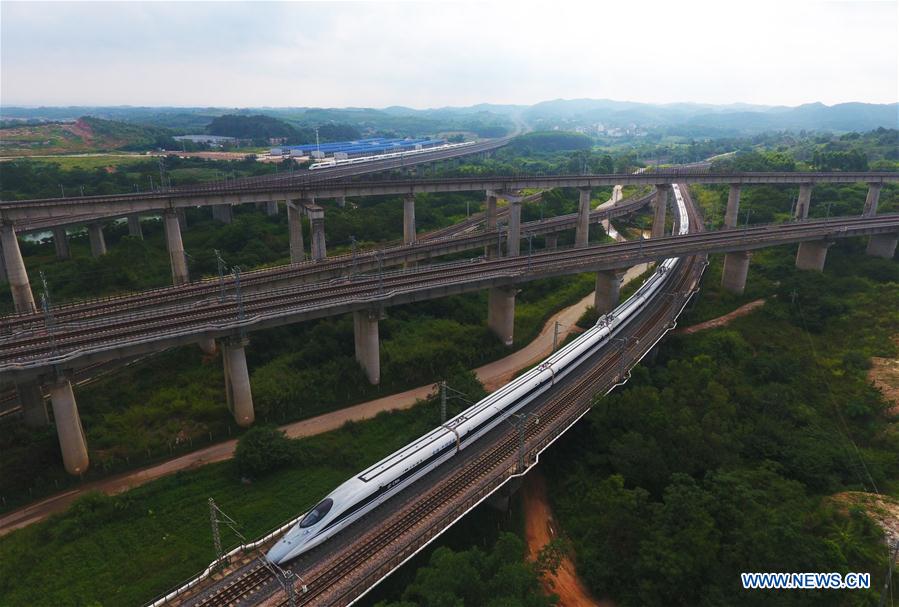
[337, 265]
[288, 304]
[310, 186]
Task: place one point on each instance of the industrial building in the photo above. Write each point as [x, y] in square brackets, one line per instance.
[360, 147]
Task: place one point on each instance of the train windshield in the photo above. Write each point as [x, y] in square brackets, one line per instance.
[316, 514]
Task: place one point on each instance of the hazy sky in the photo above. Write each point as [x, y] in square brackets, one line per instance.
[431, 54]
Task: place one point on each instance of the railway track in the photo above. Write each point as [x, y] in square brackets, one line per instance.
[390, 255]
[299, 180]
[332, 582]
[274, 306]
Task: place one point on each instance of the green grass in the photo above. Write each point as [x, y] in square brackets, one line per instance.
[98, 161]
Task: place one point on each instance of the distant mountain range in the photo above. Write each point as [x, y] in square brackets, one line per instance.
[737, 118]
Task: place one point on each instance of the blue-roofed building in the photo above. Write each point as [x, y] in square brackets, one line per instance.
[360, 147]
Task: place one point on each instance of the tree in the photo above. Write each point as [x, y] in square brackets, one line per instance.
[261, 450]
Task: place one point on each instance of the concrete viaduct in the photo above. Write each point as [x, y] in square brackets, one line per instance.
[27, 355]
[299, 195]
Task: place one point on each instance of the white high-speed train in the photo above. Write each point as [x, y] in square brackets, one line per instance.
[364, 492]
[334, 162]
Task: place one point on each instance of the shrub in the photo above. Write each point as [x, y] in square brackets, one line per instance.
[261, 450]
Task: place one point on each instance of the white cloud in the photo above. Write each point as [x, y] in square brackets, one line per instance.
[428, 54]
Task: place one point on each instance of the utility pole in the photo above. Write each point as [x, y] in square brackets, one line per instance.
[353, 263]
[216, 534]
[221, 265]
[556, 328]
[380, 273]
[520, 423]
[49, 321]
[889, 577]
[442, 402]
[530, 248]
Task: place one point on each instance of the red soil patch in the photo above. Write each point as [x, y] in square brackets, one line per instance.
[540, 528]
[722, 321]
[81, 129]
[884, 374]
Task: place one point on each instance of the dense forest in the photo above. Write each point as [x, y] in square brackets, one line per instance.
[730, 452]
[262, 128]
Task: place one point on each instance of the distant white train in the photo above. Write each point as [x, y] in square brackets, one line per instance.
[334, 162]
[361, 494]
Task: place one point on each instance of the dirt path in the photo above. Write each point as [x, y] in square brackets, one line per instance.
[492, 375]
[725, 320]
[884, 374]
[539, 529]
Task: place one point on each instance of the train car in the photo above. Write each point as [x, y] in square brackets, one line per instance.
[361, 494]
[331, 162]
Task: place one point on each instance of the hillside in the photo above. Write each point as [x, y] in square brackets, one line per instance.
[86, 134]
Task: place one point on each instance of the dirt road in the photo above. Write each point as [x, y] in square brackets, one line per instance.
[723, 321]
[539, 529]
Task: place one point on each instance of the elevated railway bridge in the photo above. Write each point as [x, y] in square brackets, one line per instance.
[299, 193]
[33, 347]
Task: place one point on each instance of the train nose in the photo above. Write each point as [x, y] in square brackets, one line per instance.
[279, 551]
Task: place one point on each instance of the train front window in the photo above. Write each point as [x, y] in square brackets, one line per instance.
[316, 514]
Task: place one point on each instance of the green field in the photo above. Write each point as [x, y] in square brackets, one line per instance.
[89, 163]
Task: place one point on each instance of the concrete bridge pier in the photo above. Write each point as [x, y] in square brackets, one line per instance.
[271, 208]
[409, 219]
[812, 255]
[582, 229]
[317, 219]
[803, 202]
[22, 298]
[552, 241]
[98, 242]
[365, 333]
[491, 250]
[341, 201]
[882, 245]
[222, 213]
[501, 313]
[61, 243]
[872, 199]
[736, 268]
[608, 290]
[733, 206]
[134, 228]
[3, 277]
[34, 409]
[68, 427]
[207, 345]
[660, 206]
[513, 243]
[175, 247]
[295, 227]
[237, 382]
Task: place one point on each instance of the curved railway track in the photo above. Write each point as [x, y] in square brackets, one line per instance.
[265, 308]
[390, 254]
[300, 180]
